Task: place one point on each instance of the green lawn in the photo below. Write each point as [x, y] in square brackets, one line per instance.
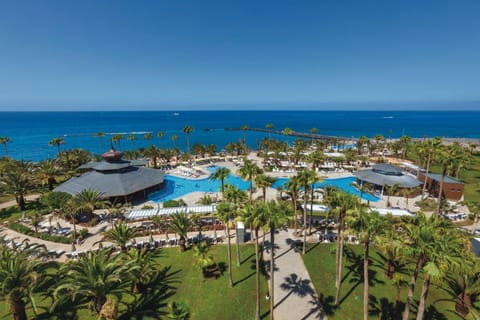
[213, 298]
[320, 262]
[208, 299]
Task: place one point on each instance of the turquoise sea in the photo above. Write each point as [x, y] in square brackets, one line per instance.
[30, 132]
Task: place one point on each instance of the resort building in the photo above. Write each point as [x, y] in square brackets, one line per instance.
[118, 180]
[452, 188]
[381, 175]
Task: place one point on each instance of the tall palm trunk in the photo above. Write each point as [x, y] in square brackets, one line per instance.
[411, 289]
[339, 258]
[440, 192]
[365, 280]
[237, 246]
[423, 297]
[272, 269]
[229, 253]
[304, 219]
[21, 202]
[311, 208]
[257, 276]
[426, 175]
[294, 203]
[17, 308]
[251, 189]
[74, 237]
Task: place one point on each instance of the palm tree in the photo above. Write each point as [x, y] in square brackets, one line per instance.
[161, 134]
[362, 142]
[293, 190]
[254, 216]
[263, 181]
[174, 139]
[36, 220]
[120, 234]
[305, 178]
[341, 203]
[249, 171]
[147, 270]
[244, 128]
[180, 223]
[464, 289]
[4, 141]
[446, 157]
[405, 140]
[100, 136]
[21, 276]
[153, 153]
[434, 246]
[88, 200]
[445, 254]
[367, 226]
[49, 171]
[187, 130]
[147, 136]
[221, 174]
[226, 213]
[276, 216]
[56, 142]
[17, 179]
[390, 191]
[117, 138]
[132, 138]
[202, 255]
[93, 279]
[430, 149]
[235, 195]
[269, 127]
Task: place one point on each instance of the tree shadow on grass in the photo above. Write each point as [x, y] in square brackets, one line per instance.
[355, 269]
[312, 247]
[214, 271]
[328, 304]
[384, 309]
[247, 258]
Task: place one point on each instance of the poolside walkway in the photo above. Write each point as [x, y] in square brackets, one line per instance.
[295, 296]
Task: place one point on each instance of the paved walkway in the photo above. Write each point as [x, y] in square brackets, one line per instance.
[295, 297]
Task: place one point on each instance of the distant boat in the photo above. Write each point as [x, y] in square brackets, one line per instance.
[176, 114]
[390, 117]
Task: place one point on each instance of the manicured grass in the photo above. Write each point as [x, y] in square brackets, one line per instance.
[206, 298]
[213, 298]
[320, 262]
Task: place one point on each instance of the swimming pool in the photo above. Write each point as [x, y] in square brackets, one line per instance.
[175, 187]
[344, 184]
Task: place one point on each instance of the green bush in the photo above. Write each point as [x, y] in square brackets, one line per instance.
[147, 207]
[54, 238]
[171, 204]
[20, 228]
[83, 233]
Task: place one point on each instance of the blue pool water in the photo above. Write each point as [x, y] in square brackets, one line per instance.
[344, 184]
[175, 187]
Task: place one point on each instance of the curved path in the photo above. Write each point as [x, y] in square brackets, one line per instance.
[295, 296]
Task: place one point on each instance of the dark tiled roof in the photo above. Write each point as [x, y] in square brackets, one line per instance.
[114, 183]
[448, 179]
[404, 181]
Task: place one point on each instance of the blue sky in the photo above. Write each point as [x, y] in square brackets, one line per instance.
[128, 55]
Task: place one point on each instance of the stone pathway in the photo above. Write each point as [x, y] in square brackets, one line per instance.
[295, 296]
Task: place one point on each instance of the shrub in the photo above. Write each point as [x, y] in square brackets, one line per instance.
[55, 238]
[147, 207]
[20, 228]
[83, 233]
[171, 204]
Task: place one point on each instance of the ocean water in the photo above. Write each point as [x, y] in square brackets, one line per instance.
[30, 132]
